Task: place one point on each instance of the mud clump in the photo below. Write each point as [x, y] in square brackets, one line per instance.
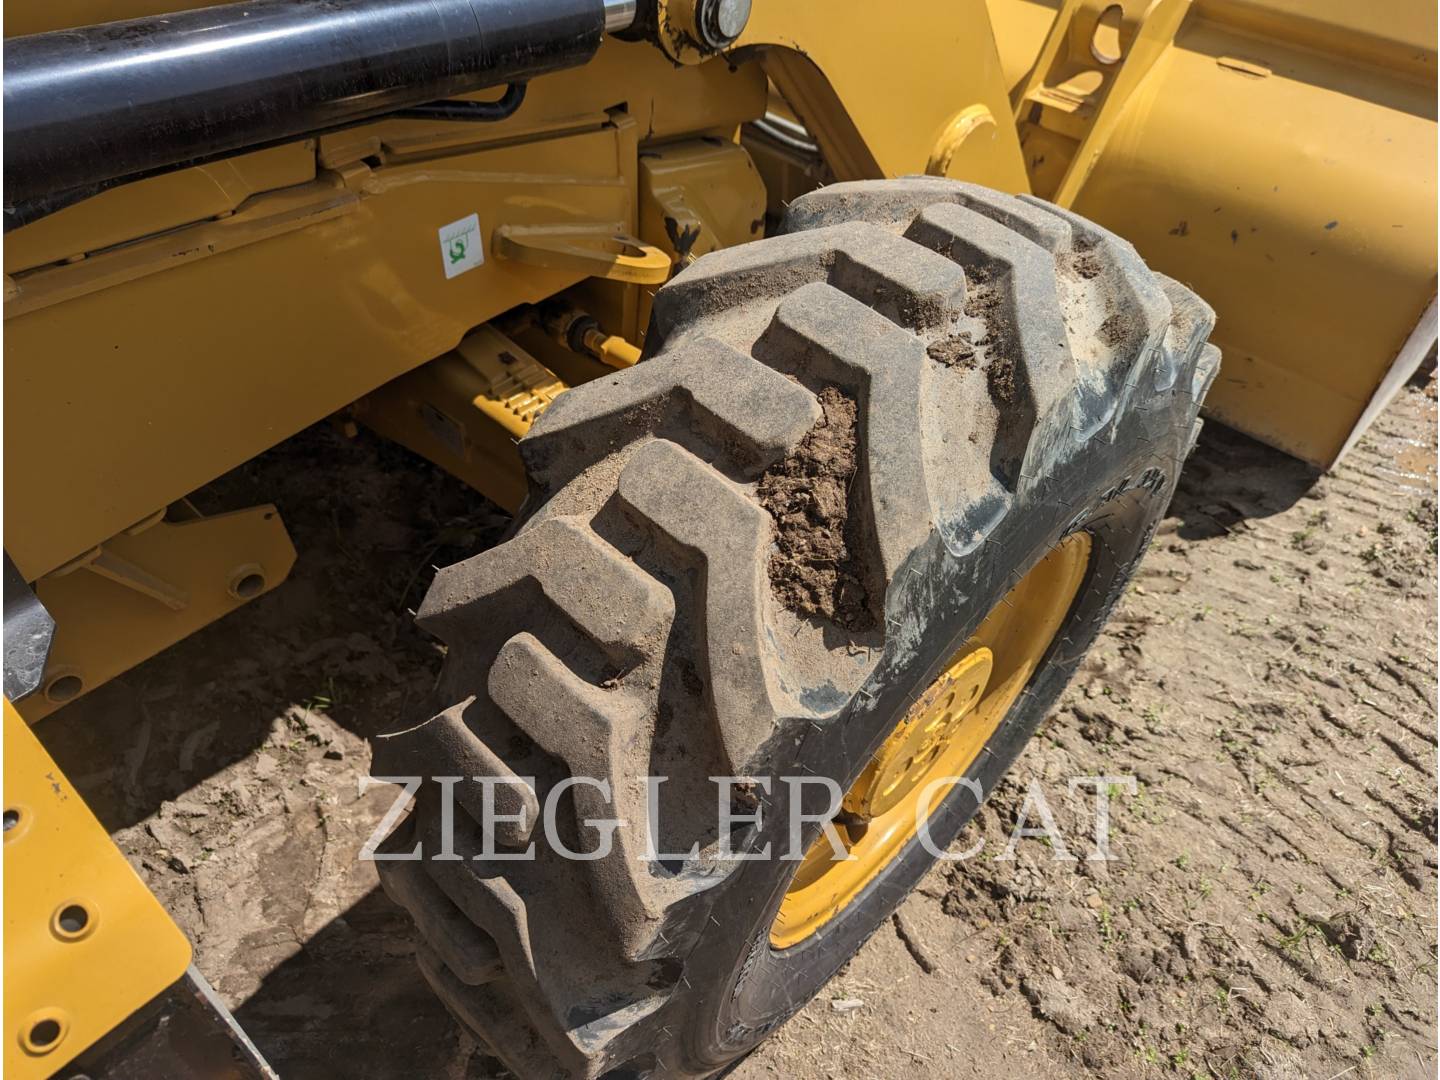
[816, 569]
[916, 312]
[1115, 329]
[983, 302]
[1001, 378]
[922, 312]
[1085, 265]
[957, 351]
[982, 298]
[1350, 933]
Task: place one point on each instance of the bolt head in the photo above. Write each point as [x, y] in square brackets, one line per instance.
[722, 21]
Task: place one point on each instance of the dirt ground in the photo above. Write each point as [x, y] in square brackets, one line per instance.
[1268, 681]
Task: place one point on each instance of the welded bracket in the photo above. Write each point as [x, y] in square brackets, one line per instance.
[1095, 58]
[141, 591]
[98, 980]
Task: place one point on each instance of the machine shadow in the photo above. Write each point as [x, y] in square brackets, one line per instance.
[1231, 478]
[337, 640]
[353, 1003]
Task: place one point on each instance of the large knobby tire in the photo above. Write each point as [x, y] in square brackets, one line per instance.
[746, 556]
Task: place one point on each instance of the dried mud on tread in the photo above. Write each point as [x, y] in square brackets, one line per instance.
[958, 350]
[1083, 263]
[1268, 680]
[818, 566]
[983, 302]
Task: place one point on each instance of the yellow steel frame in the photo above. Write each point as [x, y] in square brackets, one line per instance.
[161, 580]
[887, 92]
[330, 248]
[166, 331]
[86, 943]
[1279, 156]
[343, 289]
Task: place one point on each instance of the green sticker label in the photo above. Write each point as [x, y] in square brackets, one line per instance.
[460, 246]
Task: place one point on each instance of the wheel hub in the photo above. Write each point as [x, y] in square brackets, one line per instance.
[931, 726]
[937, 740]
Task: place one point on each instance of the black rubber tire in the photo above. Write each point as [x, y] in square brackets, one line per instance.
[1018, 374]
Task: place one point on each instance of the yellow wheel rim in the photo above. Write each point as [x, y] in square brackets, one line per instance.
[939, 736]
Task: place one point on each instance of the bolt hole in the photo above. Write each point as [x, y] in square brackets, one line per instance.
[1105, 44]
[12, 818]
[64, 688]
[249, 585]
[73, 918]
[44, 1033]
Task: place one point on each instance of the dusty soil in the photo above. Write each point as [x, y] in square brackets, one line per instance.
[1268, 682]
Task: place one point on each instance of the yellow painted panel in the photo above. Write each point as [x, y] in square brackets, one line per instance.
[1310, 227]
[148, 369]
[197, 570]
[901, 81]
[143, 390]
[1020, 30]
[86, 943]
[171, 201]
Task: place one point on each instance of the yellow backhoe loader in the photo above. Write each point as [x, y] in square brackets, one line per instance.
[836, 361]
